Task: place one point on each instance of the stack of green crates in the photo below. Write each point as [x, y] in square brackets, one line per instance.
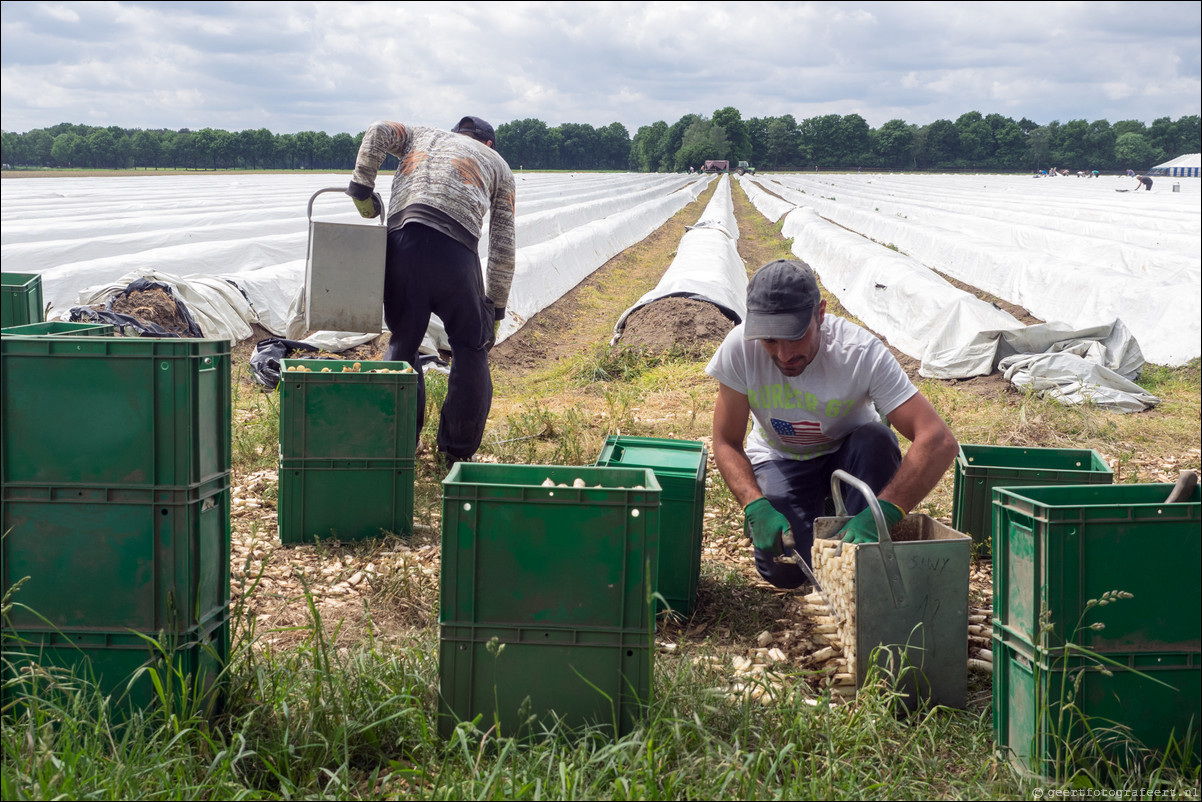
[115, 467]
[680, 467]
[980, 469]
[20, 299]
[545, 606]
[1060, 550]
[347, 443]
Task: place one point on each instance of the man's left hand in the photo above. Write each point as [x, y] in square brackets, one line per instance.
[862, 528]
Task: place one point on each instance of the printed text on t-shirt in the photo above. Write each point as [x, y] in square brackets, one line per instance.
[783, 396]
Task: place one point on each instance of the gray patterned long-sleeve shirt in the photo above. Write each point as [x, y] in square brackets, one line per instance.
[454, 174]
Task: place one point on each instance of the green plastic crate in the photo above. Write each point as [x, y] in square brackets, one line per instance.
[59, 328]
[114, 411]
[111, 559]
[979, 469]
[582, 678]
[1061, 547]
[20, 299]
[680, 467]
[347, 415]
[112, 659]
[1151, 699]
[344, 499]
[516, 553]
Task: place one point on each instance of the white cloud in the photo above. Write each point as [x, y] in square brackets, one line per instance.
[60, 13]
[336, 66]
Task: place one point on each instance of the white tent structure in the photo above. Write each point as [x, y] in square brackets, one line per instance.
[1186, 166]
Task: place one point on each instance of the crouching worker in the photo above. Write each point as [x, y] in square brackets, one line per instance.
[811, 382]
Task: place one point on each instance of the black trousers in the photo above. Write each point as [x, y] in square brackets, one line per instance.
[429, 272]
[798, 488]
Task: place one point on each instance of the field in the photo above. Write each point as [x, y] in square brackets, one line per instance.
[334, 677]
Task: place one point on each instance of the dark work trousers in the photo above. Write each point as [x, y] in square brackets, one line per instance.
[426, 272]
[799, 488]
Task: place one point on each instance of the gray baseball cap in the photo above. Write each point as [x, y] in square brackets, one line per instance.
[781, 299]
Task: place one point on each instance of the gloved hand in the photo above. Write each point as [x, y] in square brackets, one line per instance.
[498, 316]
[765, 525]
[365, 200]
[862, 528]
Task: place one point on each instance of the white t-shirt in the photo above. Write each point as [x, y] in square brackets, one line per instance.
[806, 416]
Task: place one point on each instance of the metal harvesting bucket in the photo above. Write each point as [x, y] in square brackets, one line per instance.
[344, 273]
[908, 596]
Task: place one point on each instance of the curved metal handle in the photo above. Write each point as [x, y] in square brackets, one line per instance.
[341, 191]
[896, 587]
[841, 509]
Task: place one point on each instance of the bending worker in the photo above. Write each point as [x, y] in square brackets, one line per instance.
[445, 184]
[811, 382]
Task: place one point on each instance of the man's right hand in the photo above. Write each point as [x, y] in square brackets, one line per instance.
[364, 199]
[765, 525]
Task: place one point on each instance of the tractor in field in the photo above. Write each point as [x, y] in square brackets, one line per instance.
[744, 167]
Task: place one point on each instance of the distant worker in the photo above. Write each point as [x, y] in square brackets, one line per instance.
[445, 184]
[811, 382]
[1144, 181]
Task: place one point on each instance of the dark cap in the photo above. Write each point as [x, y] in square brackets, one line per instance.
[781, 299]
[478, 128]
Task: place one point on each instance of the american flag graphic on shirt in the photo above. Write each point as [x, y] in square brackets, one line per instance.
[802, 433]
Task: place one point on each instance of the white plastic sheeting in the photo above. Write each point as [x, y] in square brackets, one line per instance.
[1067, 249]
[1073, 378]
[217, 306]
[891, 293]
[770, 206]
[252, 230]
[956, 334]
[549, 269]
[224, 312]
[557, 218]
[707, 266]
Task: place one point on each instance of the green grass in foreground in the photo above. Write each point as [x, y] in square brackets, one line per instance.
[316, 722]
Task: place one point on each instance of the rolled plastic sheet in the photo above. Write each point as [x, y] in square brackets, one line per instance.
[707, 266]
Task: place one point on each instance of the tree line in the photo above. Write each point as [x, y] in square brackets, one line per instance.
[973, 141]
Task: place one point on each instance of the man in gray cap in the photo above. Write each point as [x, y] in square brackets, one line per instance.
[445, 184]
[814, 384]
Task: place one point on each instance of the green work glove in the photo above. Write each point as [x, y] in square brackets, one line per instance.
[364, 199]
[862, 528]
[765, 525]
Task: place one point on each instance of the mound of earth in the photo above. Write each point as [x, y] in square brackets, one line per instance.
[676, 324]
[153, 305]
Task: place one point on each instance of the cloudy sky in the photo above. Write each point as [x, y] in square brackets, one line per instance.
[292, 66]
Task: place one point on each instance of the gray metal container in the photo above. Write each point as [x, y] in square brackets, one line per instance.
[911, 600]
[344, 273]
